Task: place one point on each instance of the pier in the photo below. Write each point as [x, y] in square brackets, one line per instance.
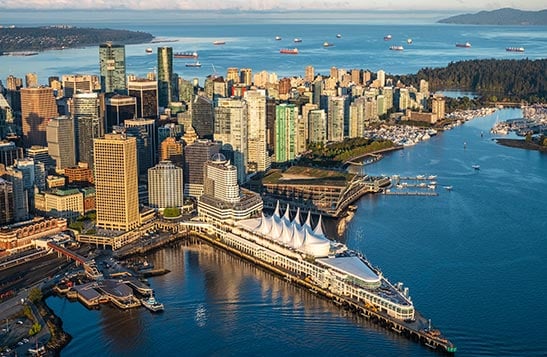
[417, 329]
[410, 193]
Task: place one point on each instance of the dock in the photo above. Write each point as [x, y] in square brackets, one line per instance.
[410, 193]
[417, 330]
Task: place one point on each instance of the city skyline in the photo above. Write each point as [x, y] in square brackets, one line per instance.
[279, 5]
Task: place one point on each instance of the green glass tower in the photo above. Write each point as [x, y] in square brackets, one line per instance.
[165, 76]
[112, 68]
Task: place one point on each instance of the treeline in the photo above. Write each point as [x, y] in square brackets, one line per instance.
[334, 154]
[492, 79]
[46, 38]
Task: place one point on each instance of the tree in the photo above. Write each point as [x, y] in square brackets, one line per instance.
[35, 295]
[171, 212]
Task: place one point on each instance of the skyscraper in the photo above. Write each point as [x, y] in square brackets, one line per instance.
[246, 76]
[79, 83]
[147, 143]
[9, 152]
[171, 149]
[112, 68]
[37, 107]
[116, 182]
[6, 202]
[221, 179]
[31, 80]
[165, 76]
[195, 157]
[231, 129]
[20, 197]
[256, 122]
[285, 132]
[317, 128]
[118, 109]
[310, 74]
[146, 93]
[61, 143]
[88, 113]
[165, 186]
[203, 117]
[336, 123]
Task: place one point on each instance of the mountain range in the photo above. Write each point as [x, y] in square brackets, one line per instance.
[506, 16]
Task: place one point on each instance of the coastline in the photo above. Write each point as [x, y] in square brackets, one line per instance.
[520, 144]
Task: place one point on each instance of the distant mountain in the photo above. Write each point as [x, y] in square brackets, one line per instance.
[505, 16]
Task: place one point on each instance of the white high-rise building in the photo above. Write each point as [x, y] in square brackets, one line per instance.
[165, 186]
[231, 129]
[221, 179]
[258, 158]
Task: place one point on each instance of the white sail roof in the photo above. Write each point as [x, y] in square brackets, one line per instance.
[296, 219]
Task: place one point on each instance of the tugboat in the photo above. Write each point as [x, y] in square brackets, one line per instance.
[387, 37]
[152, 304]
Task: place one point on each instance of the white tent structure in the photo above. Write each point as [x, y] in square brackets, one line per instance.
[302, 237]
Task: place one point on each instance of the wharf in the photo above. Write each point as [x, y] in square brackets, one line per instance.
[416, 330]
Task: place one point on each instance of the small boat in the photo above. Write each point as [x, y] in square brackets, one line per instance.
[432, 177]
[152, 304]
[278, 38]
[464, 45]
[448, 188]
[218, 43]
[476, 167]
[195, 64]
[515, 49]
[387, 37]
[327, 44]
[289, 51]
[409, 41]
[297, 40]
[338, 35]
[148, 50]
[396, 48]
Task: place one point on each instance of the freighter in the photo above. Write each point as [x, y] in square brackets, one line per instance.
[193, 55]
[289, 51]
[464, 45]
[515, 49]
[301, 253]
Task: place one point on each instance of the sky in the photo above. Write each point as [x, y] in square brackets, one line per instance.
[464, 6]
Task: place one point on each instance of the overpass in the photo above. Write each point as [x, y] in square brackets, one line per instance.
[89, 264]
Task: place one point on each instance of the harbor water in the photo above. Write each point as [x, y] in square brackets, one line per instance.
[474, 257]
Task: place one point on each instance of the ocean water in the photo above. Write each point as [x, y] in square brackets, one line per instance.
[473, 258]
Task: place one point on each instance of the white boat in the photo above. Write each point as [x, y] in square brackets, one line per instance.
[148, 50]
[409, 41]
[278, 38]
[476, 167]
[448, 188]
[152, 304]
[338, 35]
[431, 177]
[297, 40]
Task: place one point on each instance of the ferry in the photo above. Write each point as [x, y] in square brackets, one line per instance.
[396, 48]
[152, 304]
[289, 51]
[148, 50]
[218, 43]
[327, 44]
[515, 49]
[297, 40]
[195, 64]
[387, 37]
[464, 45]
[186, 55]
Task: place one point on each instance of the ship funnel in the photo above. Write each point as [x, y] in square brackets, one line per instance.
[405, 292]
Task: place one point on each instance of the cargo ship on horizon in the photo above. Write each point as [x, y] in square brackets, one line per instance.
[193, 55]
[289, 51]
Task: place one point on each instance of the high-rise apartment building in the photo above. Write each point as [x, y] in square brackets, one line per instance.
[20, 195]
[165, 76]
[246, 76]
[258, 158]
[165, 185]
[317, 126]
[232, 74]
[285, 132]
[112, 68]
[60, 142]
[31, 80]
[232, 131]
[310, 74]
[88, 113]
[357, 117]
[146, 93]
[116, 182]
[195, 157]
[336, 119]
[221, 179]
[438, 106]
[38, 106]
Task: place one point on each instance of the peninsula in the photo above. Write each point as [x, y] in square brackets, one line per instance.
[18, 39]
[506, 16]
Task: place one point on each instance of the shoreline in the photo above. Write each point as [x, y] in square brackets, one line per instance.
[520, 144]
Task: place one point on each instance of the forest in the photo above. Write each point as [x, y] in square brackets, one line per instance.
[59, 37]
[491, 79]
